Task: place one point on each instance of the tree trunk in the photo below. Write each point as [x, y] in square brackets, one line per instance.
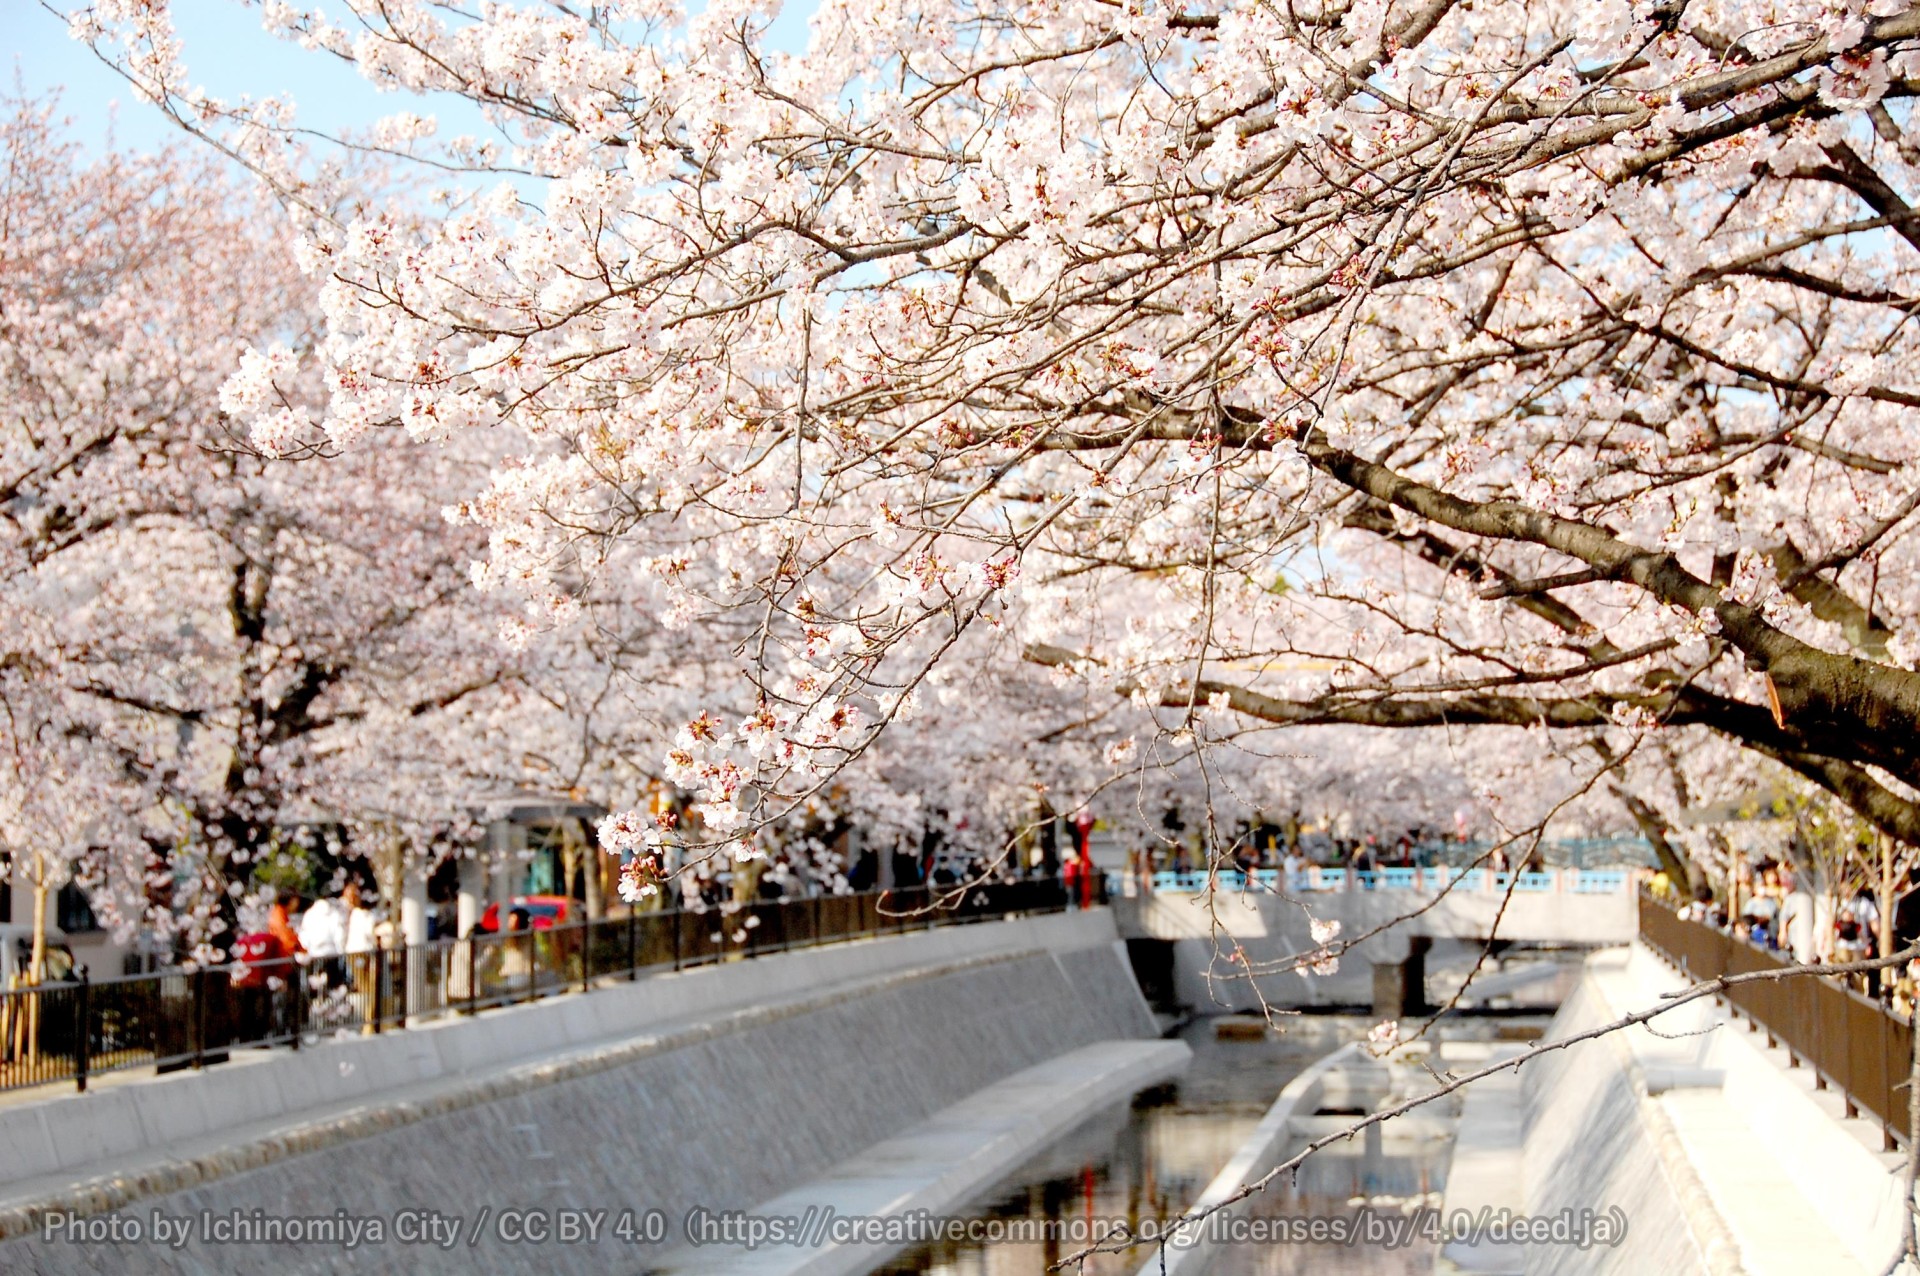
[746, 881]
[390, 872]
[1675, 862]
[575, 853]
[37, 963]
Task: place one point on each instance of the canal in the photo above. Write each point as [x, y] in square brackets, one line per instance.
[1148, 1159]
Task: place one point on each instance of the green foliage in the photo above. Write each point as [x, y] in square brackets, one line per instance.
[289, 867]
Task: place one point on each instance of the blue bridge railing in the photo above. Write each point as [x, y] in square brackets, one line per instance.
[1569, 881]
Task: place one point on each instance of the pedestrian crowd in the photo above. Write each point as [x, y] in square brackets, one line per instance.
[1771, 906]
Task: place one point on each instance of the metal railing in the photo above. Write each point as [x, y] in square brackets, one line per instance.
[1850, 1042]
[1315, 879]
[192, 1018]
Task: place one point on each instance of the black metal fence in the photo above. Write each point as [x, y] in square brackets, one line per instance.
[1853, 1044]
[191, 1018]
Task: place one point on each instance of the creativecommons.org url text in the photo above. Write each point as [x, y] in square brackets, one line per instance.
[821, 1227]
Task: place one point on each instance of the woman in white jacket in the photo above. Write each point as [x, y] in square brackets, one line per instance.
[358, 937]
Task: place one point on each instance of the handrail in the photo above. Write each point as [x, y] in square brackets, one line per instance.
[1325, 879]
[194, 1017]
[1851, 1043]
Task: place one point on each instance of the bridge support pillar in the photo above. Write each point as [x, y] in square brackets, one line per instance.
[1400, 987]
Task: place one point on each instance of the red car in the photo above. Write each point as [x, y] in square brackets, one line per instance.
[544, 911]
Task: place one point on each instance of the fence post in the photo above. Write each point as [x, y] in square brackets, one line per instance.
[379, 980]
[83, 1039]
[533, 966]
[1913, 1038]
[199, 1017]
[1887, 1021]
[586, 955]
[1816, 1034]
[633, 951]
[473, 989]
[298, 990]
[678, 917]
[1848, 1077]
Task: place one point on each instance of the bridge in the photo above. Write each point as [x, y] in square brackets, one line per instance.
[1236, 947]
[1471, 881]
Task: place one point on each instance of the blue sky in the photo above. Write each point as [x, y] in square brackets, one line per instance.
[228, 53]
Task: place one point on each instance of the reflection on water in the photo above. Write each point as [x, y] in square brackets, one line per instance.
[1385, 1188]
[1143, 1161]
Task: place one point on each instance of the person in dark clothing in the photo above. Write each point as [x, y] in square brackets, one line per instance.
[906, 869]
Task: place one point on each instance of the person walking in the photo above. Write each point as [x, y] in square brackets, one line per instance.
[323, 933]
[280, 925]
[517, 953]
[1295, 868]
[264, 969]
[357, 946]
[1364, 863]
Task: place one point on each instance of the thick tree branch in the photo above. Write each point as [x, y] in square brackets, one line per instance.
[1859, 710]
[1745, 724]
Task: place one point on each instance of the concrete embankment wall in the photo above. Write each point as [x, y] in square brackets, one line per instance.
[1719, 1158]
[1270, 931]
[715, 1088]
[1593, 1141]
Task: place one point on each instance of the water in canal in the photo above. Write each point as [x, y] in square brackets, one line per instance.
[1149, 1159]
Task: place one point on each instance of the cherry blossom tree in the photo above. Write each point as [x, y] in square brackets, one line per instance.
[1403, 364]
[1532, 371]
[206, 647]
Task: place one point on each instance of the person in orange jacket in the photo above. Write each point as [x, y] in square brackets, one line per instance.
[280, 925]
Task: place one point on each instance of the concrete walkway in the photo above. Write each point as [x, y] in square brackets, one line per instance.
[938, 1166]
